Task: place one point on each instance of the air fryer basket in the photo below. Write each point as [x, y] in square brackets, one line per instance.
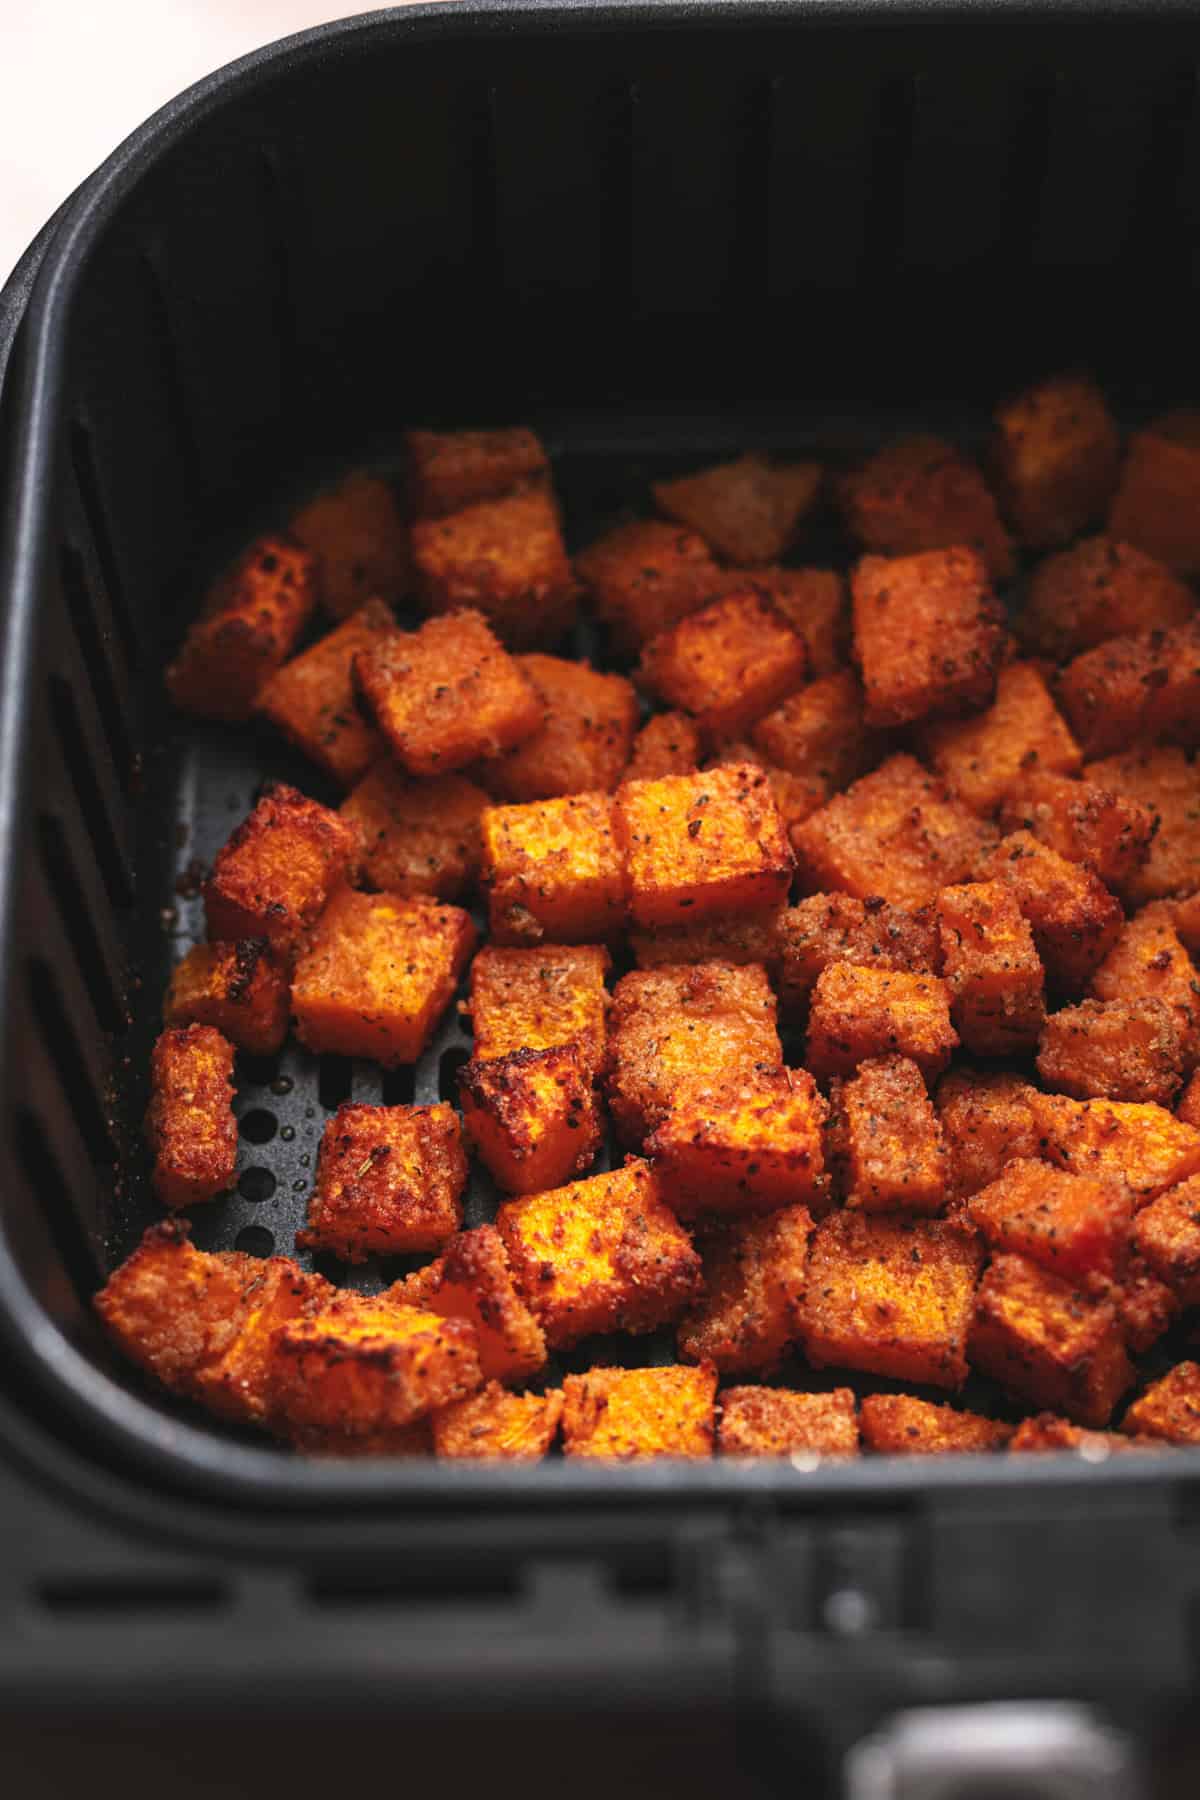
[654, 232]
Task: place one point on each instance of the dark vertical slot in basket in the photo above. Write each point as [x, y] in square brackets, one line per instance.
[64, 885]
[83, 462]
[95, 813]
[97, 657]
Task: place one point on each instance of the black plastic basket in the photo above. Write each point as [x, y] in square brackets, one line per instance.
[652, 231]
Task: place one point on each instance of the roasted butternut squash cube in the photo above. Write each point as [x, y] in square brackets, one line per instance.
[829, 928]
[275, 875]
[447, 694]
[504, 559]
[1021, 732]
[1167, 1234]
[419, 837]
[1169, 1408]
[1056, 455]
[1186, 915]
[1097, 590]
[902, 1425]
[1137, 1143]
[175, 1310]
[584, 742]
[819, 734]
[250, 624]
[1168, 783]
[921, 494]
[986, 1121]
[667, 744]
[1048, 1342]
[1188, 1107]
[1085, 822]
[742, 1145]
[367, 1365]
[1045, 1432]
[359, 542]
[190, 1126]
[645, 576]
[696, 846]
[1148, 962]
[991, 968]
[377, 973]
[896, 1159]
[1074, 1225]
[891, 1295]
[859, 1012]
[727, 664]
[675, 1030]
[749, 1312]
[540, 999]
[235, 1384]
[1131, 688]
[311, 699]
[496, 1426]
[898, 834]
[532, 1116]
[1075, 920]
[240, 989]
[472, 1280]
[447, 470]
[1112, 1050]
[815, 603]
[929, 635]
[748, 510]
[754, 938]
[1156, 502]
[766, 1421]
[389, 1180]
[605, 1254]
[1145, 1305]
[630, 1415]
[797, 797]
[554, 871]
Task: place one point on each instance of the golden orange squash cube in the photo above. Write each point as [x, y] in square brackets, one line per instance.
[1075, 920]
[700, 845]
[727, 664]
[1148, 962]
[250, 624]
[742, 1145]
[629, 1415]
[311, 699]
[815, 603]
[472, 1280]
[554, 871]
[921, 494]
[1097, 590]
[896, 1159]
[667, 744]
[678, 1030]
[1169, 1408]
[503, 558]
[540, 999]
[1167, 1234]
[1146, 1305]
[1112, 1050]
[754, 938]
[1156, 503]
[1056, 454]
[532, 1116]
[986, 1120]
[1045, 1432]
[240, 989]
[929, 635]
[447, 470]
[1166, 782]
[993, 971]
[898, 834]
[748, 510]
[276, 873]
[235, 1383]
[902, 1425]
[175, 1310]
[645, 576]
[389, 1180]
[604, 1254]
[447, 694]
[584, 741]
[858, 1012]
[1133, 688]
[1137, 1143]
[891, 1295]
[1085, 821]
[749, 1312]
[819, 734]
[190, 1126]
[359, 543]
[829, 928]
[496, 1426]
[1074, 1225]
[419, 836]
[1048, 1343]
[767, 1421]
[1022, 732]
[377, 973]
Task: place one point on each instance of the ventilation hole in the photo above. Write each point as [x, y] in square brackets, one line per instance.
[255, 1240]
[95, 656]
[449, 1063]
[62, 1044]
[255, 1071]
[81, 768]
[433, 1583]
[83, 461]
[124, 1595]
[50, 1197]
[335, 1074]
[259, 1126]
[256, 1185]
[399, 1086]
[67, 890]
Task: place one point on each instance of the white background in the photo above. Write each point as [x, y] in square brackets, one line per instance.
[76, 76]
